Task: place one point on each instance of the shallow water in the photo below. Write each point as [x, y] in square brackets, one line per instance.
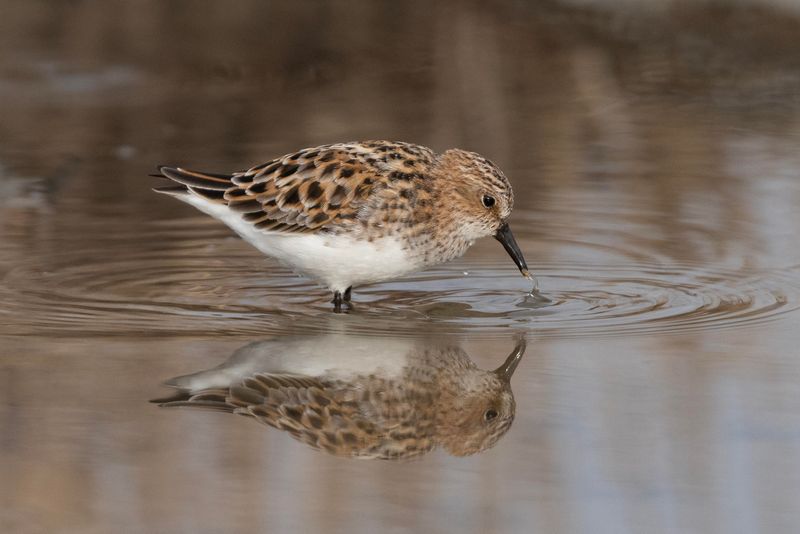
[657, 181]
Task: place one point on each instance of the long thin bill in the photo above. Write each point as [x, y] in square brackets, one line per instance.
[505, 237]
[510, 365]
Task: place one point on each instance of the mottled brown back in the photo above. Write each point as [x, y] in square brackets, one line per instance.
[320, 188]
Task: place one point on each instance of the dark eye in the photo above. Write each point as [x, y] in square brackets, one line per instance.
[490, 414]
[488, 201]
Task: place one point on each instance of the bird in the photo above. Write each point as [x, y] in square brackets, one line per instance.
[359, 396]
[360, 212]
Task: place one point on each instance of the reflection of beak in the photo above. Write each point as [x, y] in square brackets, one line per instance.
[510, 365]
[505, 236]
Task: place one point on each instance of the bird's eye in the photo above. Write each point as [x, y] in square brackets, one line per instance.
[490, 414]
[488, 201]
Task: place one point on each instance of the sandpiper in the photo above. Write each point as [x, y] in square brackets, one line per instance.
[361, 397]
[356, 213]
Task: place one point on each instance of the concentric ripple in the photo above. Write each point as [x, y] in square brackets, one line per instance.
[210, 284]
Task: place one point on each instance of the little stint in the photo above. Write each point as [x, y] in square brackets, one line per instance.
[357, 213]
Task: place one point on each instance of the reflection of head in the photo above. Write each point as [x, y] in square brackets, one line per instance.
[479, 411]
[473, 421]
[400, 404]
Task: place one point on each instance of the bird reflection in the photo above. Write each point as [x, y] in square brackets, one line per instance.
[373, 398]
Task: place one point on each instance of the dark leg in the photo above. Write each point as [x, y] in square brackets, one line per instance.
[347, 293]
[337, 302]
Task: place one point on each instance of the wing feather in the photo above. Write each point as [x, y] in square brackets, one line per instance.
[314, 189]
[337, 417]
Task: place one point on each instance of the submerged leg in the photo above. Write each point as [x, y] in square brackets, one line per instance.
[341, 301]
[337, 302]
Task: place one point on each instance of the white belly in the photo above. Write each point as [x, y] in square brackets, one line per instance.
[332, 356]
[337, 261]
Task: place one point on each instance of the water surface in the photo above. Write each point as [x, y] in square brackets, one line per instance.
[657, 181]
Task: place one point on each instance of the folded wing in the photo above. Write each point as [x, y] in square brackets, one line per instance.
[307, 191]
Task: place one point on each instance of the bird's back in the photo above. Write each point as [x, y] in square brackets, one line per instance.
[329, 188]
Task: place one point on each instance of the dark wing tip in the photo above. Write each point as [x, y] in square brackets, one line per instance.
[197, 180]
[160, 171]
[172, 173]
[178, 396]
[205, 404]
[209, 399]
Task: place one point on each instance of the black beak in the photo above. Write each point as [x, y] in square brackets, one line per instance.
[510, 365]
[505, 236]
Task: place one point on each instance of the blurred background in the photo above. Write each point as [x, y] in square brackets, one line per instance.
[653, 150]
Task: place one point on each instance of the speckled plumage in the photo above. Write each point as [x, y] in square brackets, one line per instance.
[355, 213]
[436, 397]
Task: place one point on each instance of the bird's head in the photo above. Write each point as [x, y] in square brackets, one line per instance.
[479, 199]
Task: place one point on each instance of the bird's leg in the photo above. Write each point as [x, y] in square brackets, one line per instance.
[337, 302]
[341, 301]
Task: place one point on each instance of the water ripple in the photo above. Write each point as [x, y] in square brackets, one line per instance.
[210, 285]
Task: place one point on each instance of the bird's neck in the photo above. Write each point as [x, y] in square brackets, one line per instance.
[448, 231]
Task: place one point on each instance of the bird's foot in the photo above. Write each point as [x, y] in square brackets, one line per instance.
[341, 301]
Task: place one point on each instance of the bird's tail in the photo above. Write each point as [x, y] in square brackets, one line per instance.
[205, 184]
[234, 399]
[210, 399]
